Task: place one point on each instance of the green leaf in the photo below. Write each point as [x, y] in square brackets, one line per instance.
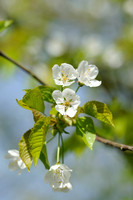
[37, 115]
[33, 99]
[85, 128]
[37, 137]
[5, 24]
[100, 111]
[47, 93]
[44, 157]
[53, 111]
[24, 150]
[23, 105]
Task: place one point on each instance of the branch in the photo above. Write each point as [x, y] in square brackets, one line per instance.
[22, 67]
[122, 147]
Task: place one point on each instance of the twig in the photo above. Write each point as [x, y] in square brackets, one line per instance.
[122, 147]
[22, 67]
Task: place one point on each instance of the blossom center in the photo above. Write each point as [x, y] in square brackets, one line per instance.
[59, 173]
[64, 77]
[66, 103]
[87, 72]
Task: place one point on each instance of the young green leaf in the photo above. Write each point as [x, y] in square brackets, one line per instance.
[5, 24]
[23, 105]
[99, 110]
[33, 99]
[85, 128]
[24, 150]
[53, 111]
[47, 93]
[37, 115]
[44, 157]
[37, 137]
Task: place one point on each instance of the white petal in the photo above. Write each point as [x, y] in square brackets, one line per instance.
[54, 167]
[48, 177]
[65, 167]
[93, 71]
[71, 112]
[81, 67]
[75, 102]
[21, 164]
[13, 166]
[56, 72]
[57, 95]
[58, 82]
[60, 109]
[68, 93]
[69, 71]
[64, 188]
[12, 153]
[67, 83]
[94, 83]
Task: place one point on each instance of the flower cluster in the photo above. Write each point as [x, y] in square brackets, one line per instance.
[67, 101]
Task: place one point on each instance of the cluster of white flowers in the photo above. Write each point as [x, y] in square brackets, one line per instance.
[67, 101]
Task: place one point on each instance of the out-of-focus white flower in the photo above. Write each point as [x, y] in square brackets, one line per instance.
[16, 163]
[113, 57]
[58, 177]
[87, 74]
[67, 101]
[128, 7]
[64, 75]
[56, 44]
[92, 46]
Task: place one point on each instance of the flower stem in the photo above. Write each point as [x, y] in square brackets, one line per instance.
[58, 149]
[77, 89]
[50, 139]
[62, 149]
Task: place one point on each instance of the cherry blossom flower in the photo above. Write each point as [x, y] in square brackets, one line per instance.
[87, 74]
[16, 163]
[64, 75]
[67, 101]
[58, 177]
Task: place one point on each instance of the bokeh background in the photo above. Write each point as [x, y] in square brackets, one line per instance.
[45, 33]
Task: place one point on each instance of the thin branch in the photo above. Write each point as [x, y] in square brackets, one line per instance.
[22, 67]
[122, 147]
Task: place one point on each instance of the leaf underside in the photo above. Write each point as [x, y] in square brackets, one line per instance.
[37, 137]
[85, 128]
[24, 150]
[44, 157]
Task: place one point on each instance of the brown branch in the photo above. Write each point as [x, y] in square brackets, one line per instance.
[122, 147]
[22, 67]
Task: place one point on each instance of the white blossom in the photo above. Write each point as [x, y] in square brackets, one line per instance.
[58, 177]
[67, 101]
[64, 75]
[16, 163]
[87, 74]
